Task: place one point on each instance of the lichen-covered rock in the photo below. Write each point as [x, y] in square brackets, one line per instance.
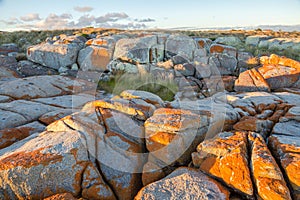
[172, 134]
[55, 162]
[267, 176]
[184, 183]
[226, 158]
[251, 81]
[94, 58]
[276, 72]
[9, 136]
[287, 151]
[249, 123]
[62, 52]
[61, 196]
[223, 49]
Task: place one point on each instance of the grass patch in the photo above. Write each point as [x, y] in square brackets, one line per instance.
[165, 89]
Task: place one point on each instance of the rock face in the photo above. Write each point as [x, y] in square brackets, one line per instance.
[216, 157]
[74, 144]
[268, 178]
[184, 183]
[138, 49]
[56, 54]
[276, 72]
[38, 156]
[97, 55]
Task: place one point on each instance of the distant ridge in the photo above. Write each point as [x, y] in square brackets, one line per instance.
[289, 28]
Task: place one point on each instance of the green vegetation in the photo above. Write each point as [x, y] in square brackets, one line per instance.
[166, 89]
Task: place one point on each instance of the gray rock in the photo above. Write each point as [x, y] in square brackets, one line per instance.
[180, 45]
[229, 40]
[254, 40]
[137, 49]
[4, 99]
[293, 99]
[29, 110]
[289, 128]
[67, 101]
[226, 65]
[42, 86]
[184, 183]
[54, 161]
[5, 49]
[146, 96]
[62, 53]
[10, 119]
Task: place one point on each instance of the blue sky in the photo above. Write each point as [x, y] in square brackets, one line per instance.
[135, 14]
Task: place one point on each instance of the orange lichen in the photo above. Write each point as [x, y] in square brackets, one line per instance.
[29, 159]
[11, 135]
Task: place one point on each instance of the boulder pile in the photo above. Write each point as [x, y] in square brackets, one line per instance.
[231, 132]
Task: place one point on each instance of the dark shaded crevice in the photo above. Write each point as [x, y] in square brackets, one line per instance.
[105, 179]
[249, 153]
[101, 119]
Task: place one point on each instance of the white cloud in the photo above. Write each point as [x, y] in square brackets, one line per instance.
[85, 20]
[145, 20]
[83, 9]
[30, 17]
[63, 21]
[11, 21]
[111, 17]
[54, 21]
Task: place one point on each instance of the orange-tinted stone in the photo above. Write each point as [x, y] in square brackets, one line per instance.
[287, 151]
[226, 158]
[268, 178]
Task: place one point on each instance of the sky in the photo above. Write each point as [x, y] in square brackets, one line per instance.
[142, 14]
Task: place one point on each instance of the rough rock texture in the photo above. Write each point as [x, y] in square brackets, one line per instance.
[286, 149]
[276, 72]
[38, 156]
[61, 53]
[172, 134]
[9, 136]
[137, 49]
[267, 176]
[184, 183]
[180, 45]
[225, 157]
[31, 87]
[97, 55]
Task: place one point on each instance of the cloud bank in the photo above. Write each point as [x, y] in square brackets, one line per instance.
[33, 21]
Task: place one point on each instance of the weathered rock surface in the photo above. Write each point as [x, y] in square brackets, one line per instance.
[225, 157]
[267, 176]
[276, 72]
[9, 136]
[184, 183]
[287, 151]
[31, 87]
[183, 46]
[137, 49]
[55, 161]
[62, 52]
[172, 134]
